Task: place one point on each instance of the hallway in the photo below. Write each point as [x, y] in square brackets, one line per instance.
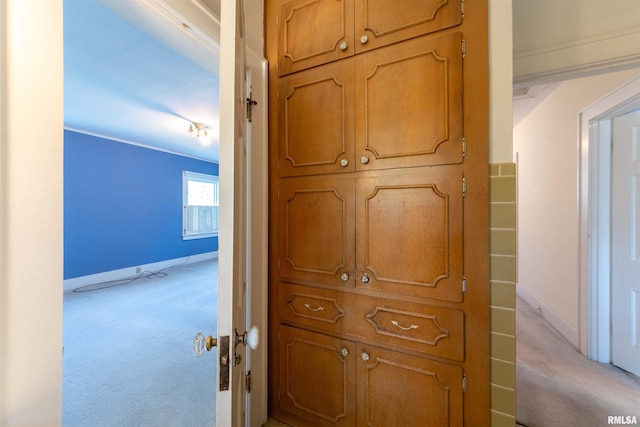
[556, 386]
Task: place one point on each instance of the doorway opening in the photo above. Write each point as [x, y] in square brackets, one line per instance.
[136, 290]
[596, 124]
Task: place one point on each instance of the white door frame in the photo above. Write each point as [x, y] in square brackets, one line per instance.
[257, 260]
[595, 217]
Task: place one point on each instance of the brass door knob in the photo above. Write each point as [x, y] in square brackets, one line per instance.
[200, 343]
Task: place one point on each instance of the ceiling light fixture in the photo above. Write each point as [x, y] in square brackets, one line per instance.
[197, 130]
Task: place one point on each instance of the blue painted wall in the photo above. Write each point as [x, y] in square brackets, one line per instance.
[123, 205]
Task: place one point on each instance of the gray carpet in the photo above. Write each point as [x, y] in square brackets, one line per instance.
[128, 358]
[556, 386]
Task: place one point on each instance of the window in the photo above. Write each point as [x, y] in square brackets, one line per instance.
[199, 205]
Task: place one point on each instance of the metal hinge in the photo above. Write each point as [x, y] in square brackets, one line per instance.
[248, 382]
[462, 9]
[464, 48]
[250, 104]
[464, 146]
[464, 285]
[464, 383]
[464, 187]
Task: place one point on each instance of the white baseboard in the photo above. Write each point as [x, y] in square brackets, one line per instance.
[558, 323]
[131, 272]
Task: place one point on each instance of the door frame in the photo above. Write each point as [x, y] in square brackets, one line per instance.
[258, 224]
[594, 201]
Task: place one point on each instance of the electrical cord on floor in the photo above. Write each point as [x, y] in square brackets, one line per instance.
[121, 282]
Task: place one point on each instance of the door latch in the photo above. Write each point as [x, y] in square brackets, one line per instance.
[200, 343]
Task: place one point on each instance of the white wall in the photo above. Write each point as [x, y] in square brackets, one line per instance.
[546, 144]
[31, 241]
[500, 77]
[556, 40]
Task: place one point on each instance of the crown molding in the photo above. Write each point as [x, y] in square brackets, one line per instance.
[613, 51]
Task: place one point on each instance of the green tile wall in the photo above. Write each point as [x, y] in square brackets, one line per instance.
[502, 258]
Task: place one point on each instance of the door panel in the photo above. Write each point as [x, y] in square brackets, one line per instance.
[424, 126]
[396, 389]
[429, 329]
[317, 120]
[409, 238]
[312, 32]
[317, 377]
[232, 290]
[316, 229]
[625, 243]
[385, 187]
[381, 22]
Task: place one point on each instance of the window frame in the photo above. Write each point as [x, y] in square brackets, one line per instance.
[201, 177]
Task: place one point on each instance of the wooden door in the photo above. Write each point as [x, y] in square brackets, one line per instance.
[396, 389]
[409, 233]
[375, 243]
[317, 378]
[314, 32]
[316, 230]
[316, 123]
[409, 104]
[379, 23]
[231, 401]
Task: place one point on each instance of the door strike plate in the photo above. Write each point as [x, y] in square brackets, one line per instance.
[223, 348]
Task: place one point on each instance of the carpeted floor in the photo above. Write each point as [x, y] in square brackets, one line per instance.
[128, 352]
[556, 386]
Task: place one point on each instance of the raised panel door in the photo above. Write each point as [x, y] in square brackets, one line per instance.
[316, 217]
[409, 104]
[316, 123]
[409, 233]
[396, 389]
[313, 32]
[428, 329]
[382, 22]
[317, 377]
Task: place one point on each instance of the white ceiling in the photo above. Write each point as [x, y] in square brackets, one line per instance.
[136, 72]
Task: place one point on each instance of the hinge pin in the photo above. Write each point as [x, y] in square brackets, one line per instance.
[250, 104]
[464, 48]
[464, 187]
